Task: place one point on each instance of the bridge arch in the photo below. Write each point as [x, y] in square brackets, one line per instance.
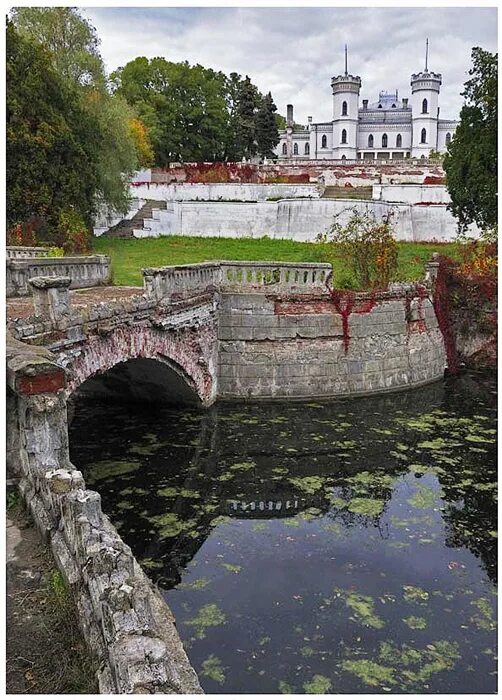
[145, 364]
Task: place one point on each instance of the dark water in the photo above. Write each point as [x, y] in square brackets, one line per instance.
[345, 547]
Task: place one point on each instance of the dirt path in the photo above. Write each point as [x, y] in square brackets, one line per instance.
[45, 650]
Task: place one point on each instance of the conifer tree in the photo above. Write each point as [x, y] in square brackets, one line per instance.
[267, 135]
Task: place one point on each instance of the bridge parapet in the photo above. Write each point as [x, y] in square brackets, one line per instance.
[276, 277]
[177, 282]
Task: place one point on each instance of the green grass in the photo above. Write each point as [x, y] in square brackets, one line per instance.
[129, 256]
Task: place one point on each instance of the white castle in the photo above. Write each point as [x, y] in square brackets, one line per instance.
[390, 128]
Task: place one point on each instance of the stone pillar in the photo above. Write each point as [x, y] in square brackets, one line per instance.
[51, 297]
[431, 269]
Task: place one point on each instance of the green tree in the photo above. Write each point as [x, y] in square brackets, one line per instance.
[74, 47]
[247, 107]
[71, 39]
[471, 160]
[51, 140]
[267, 135]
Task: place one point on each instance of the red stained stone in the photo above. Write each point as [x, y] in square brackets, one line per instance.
[41, 383]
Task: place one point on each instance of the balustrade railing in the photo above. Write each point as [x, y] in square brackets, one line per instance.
[186, 281]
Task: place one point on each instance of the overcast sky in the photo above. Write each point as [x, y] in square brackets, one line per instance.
[294, 52]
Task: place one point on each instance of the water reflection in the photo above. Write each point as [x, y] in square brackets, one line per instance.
[362, 523]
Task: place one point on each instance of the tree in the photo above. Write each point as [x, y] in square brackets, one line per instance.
[73, 45]
[71, 39]
[267, 135]
[247, 108]
[51, 140]
[471, 160]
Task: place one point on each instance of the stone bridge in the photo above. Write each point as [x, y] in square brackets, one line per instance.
[194, 333]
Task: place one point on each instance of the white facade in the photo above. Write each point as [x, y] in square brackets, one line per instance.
[391, 128]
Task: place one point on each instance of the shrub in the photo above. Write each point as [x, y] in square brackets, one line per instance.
[367, 246]
[72, 234]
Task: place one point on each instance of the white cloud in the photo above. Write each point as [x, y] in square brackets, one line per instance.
[294, 52]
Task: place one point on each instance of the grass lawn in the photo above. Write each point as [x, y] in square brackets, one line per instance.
[129, 256]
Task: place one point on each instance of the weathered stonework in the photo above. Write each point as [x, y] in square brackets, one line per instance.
[124, 619]
[84, 271]
[231, 330]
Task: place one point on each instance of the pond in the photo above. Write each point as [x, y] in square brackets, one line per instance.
[339, 547]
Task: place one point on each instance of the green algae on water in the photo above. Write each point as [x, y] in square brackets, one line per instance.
[212, 668]
[319, 685]
[208, 616]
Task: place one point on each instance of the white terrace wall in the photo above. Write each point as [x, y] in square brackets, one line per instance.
[412, 194]
[300, 220]
[219, 191]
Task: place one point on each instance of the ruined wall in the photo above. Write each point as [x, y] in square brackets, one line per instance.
[273, 347]
[412, 194]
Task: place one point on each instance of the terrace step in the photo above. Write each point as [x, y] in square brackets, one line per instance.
[339, 192]
[125, 228]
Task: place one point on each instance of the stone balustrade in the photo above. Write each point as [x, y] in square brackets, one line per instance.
[276, 277]
[184, 281]
[84, 271]
[181, 281]
[17, 252]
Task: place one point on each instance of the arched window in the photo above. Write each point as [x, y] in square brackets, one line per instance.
[324, 141]
[344, 158]
[344, 135]
[424, 107]
[295, 149]
[284, 149]
[393, 105]
[423, 136]
[399, 141]
[370, 141]
[307, 149]
[379, 106]
[448, 138]
[344, 109]
[384, 140]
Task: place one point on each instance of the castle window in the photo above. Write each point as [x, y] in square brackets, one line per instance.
[344, 136]
[394, 106]
[448, 138]
[307, 149]
[384, 140]
[344, 109]
[423, 136]
[324, 141]
[344, 158]
[379, 106]
[284, 149]
[370, 141]
[424, 107]
[295, 149]
[399, 141]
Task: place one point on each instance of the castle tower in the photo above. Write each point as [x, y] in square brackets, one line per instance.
[425, 111]
[345, 113]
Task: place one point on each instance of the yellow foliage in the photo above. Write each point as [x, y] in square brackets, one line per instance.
[142, 143]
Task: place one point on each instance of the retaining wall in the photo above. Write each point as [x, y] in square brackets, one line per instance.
[412, 194]
[84, 271]
[297, 348]
[301, 220]
[251, 192]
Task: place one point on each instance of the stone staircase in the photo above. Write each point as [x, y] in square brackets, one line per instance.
[125, 228]
[339, 192]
